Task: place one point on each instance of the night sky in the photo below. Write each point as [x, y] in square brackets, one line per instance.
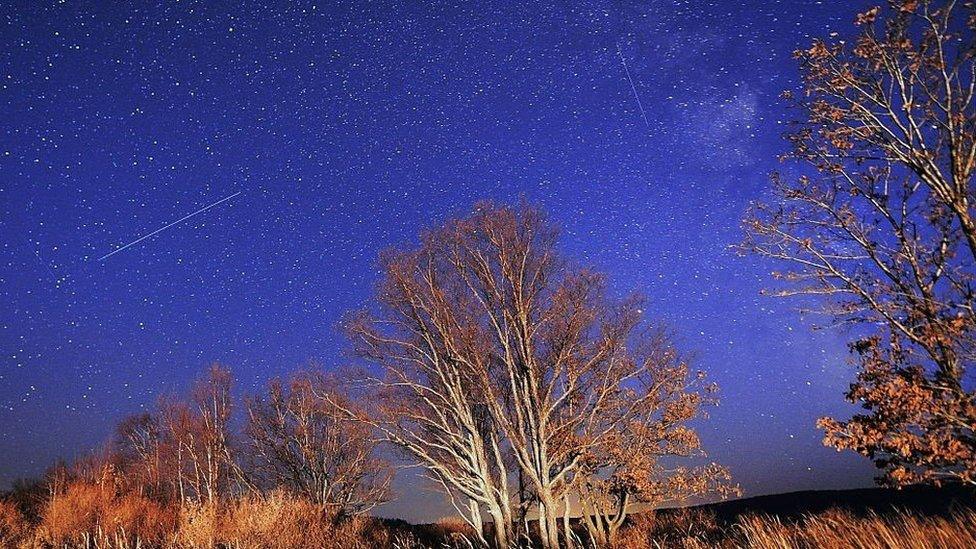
[347, 128]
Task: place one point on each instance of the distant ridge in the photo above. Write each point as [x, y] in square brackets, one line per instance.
[924, 500]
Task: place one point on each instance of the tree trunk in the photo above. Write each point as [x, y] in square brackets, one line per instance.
[594, 521]
[598, 531]
[476, 522]
[502, 535]
[548, 524]
[567, 526]
[521, 520]
[614, 524]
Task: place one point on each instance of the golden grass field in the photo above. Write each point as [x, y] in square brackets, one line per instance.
[86, 516]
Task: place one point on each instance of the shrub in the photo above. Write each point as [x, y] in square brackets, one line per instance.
[71, 517]
[13, 526]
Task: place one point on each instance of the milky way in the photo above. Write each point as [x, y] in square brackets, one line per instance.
[348, 128]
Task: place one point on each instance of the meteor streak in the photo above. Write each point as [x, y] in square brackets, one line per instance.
[632, 87]
[161, 229]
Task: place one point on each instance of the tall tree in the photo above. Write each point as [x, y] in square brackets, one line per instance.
[303, 441]
[199, 439]
[139, 444]
[502, 356]
[428, 401]
[881, 228]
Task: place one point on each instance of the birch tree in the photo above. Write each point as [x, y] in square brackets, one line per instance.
[502, 358]
[200, 452]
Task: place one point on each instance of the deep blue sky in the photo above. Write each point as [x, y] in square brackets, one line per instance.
[350, 127]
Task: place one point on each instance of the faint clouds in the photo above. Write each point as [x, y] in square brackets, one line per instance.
[725, 127]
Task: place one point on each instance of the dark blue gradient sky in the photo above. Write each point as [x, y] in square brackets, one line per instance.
[348, 128]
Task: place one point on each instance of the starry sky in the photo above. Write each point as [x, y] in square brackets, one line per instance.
[643, 128]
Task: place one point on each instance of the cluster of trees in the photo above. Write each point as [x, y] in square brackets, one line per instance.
[881, 229]
[293, 440]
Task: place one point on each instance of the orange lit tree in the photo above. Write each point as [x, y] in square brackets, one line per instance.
[187, 450]
[502, 361]
[301, 440]
[637, 462]
[881, 229]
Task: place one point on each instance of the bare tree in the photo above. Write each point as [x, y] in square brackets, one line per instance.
[499, 353]
[178, 435]
[304, 441]
[200, 449]
[428, 401]
[139, 443]
[881, 228]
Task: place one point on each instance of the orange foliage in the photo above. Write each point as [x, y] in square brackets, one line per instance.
[882, 231]
[907, 433]
[13, 526]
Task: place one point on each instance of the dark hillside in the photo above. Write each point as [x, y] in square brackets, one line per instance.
[917, 499]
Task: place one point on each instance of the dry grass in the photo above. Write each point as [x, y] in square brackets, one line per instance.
[691, 528]
[13, 526]
[276, 521]
[834, 528]
[94, 517]
[72, 517]
[89, 514]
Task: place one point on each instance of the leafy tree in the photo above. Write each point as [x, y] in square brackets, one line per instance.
[881, 229]
[637, 463]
